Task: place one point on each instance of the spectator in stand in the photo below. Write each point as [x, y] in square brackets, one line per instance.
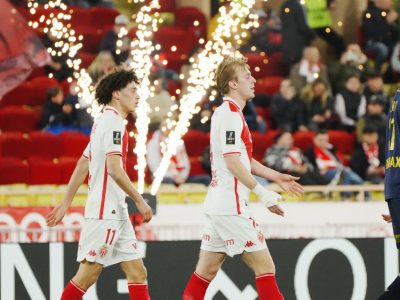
[318, 105]
[58, 66]
[319, 19]
[287, 110]
[296, 34]
[323, 157]
[284, 157]
[352, 61]
[254, 121]
[103, 64]
[375, 117]
[368, 160]
[374, 87]
[160, 102]
[109, 41]
[308, 69]
[179, 168]
[58, 115]
[380, 30]
[350, 103]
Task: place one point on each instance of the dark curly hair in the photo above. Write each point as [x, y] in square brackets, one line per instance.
[115, 81]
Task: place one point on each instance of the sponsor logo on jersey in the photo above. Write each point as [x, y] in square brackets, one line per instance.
[230, 138]
[117, 137]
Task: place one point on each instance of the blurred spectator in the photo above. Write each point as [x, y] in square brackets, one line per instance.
[375, 117]
[267, 36]
[254, 121]
[323, 156]
[318, 104]
[103, 64]
[352, 61]
[109, 41]
[58, 115]
[287, 110]
[374, 87]
[179, 168]
[160, 103]
[284, 157]
[350, 104]
[296, 35]
[368, 159]
[395, 59]
[58, 66]
[308, 69]
[380, 29]
[319, 19]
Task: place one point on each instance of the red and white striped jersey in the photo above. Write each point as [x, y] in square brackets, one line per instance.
[229, 136]
[106, 200]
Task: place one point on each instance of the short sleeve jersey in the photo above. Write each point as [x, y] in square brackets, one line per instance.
[106, 200]
[229, 136]
[392, 150]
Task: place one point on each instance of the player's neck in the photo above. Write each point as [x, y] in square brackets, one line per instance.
[238, 99]
[118, 108]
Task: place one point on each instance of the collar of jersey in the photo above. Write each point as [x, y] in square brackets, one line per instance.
[112, 109]
[233, 102]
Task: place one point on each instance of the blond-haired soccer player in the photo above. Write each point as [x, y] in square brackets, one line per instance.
[107, 235]
[229, 229]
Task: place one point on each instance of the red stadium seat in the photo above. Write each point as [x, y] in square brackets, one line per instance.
[45, 145]
[303, 139]
[195, 142]
[274, 65]
[44, 171]
[103, 16]
[81, 18]
[196, 167]
[18, 118]
[130, 167]
[91, 41]
[67, 166]
[167, 5]
[169, 36]
[260, 144]
[13, 170]
[268, 85]
[73, 143]
[185, 17]
[175, 60]
[343, 141]
[14, 144]
[256, 62]
[40, 87]
[21, 95]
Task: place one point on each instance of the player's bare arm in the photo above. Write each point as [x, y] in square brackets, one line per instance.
[119, 175]
[77, 178]
[285, 181]
[269, 198]
[387, 218]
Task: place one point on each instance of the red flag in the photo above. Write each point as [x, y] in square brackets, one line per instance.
[21, 50]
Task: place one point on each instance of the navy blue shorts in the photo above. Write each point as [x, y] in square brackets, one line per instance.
[394, 209]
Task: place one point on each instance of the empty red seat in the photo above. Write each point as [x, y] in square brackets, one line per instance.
[174, 61]
[103, 16]
[21, 95]
[167, 5]
[18, 118]
[260, 144]
[273, 65]
[14, 144]
[195, 142]
[44, 171]
[268, 85]
[40, 87]
[196, 167]
[67, 167]
[73, 143]
[303, 139]
[188, 17]
[13, 170]
[45, 145]
[130, 167]
[343, 141]
[171, 37]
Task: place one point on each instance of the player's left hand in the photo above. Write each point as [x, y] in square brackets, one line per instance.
[56, 215]
[387, 218]
[288, 184]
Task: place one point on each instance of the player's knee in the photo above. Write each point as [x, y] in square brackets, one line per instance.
[138, 274]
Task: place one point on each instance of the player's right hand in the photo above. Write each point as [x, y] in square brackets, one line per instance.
[387, 218]
[56, 215]
[145, 211]
[276, 209]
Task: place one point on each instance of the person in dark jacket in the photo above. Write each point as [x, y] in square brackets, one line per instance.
[368, 159]
[296, 34]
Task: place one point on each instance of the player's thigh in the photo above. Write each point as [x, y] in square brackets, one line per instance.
[260, 261]
[209, 263]
[394, 209]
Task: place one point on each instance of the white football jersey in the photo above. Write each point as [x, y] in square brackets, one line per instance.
[106, 200]
[230, 135]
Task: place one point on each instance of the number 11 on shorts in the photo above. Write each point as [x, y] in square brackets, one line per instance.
[109, 231]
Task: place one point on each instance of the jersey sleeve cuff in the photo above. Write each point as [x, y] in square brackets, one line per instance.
[230, 153]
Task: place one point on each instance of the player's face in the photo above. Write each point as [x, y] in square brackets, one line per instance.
[129, 98]
[245, 83]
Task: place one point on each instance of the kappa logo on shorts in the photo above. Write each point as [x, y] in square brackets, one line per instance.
[92, 253]
[249, 244]
[230, 138]
[117, 137]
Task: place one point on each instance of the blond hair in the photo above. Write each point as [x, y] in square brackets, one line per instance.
[226, 72]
